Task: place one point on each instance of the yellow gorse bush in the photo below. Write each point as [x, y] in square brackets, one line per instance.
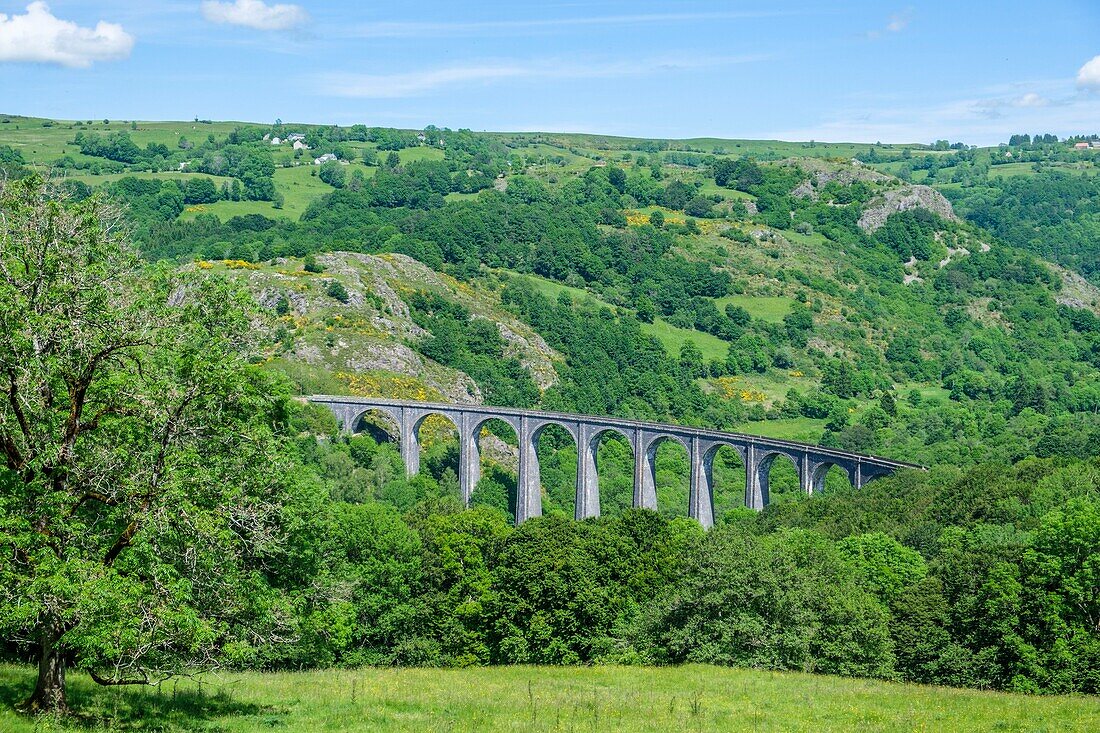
[384, 384]
[730, 388]
[706, 226]
[396, 386]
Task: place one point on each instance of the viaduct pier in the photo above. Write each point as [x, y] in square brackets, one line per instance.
[757, 453]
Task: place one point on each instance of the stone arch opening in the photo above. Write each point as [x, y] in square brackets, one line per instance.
[828, 478]
[724, 468]
[497, 447]
[780, 479]
[438, 446]
[610, 472]
[379, 424]
[670, 460]
[557, 459]
[374, 442]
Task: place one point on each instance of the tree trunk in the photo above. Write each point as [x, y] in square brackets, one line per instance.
[49, 692]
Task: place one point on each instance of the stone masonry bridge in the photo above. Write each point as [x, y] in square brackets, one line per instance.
[757, 453]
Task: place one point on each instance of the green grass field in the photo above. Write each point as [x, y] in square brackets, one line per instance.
[408, 155]
[95, 180]
[710, 188]
[43, 145]
[552, 289]
[674, 337]
[766, 308]
[297, 185]
[690, 698]
[804, 429]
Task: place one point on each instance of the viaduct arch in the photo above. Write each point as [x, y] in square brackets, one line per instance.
[757, 453]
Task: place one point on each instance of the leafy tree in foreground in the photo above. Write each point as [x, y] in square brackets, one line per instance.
[139, 492]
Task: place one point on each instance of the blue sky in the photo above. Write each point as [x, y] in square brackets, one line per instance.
[858, 70]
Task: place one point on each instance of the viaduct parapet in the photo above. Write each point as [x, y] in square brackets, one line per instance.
[757, 453]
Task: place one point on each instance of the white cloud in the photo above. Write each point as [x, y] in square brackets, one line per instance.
[896, 24]
[1031, 99]
[415, 83]
[388, 86]
[420, 29]
[982, 120]
[39, 37]
[255, 14]
[994, 107]
[899, 21]
[1089, 75]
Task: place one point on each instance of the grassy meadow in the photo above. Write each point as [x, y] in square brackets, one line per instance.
[767, 308]
[690, 698]
[673, 338]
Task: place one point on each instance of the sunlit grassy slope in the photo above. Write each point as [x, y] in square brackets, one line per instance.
[691, 698]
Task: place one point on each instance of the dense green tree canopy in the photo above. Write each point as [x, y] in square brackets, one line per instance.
[140, 488]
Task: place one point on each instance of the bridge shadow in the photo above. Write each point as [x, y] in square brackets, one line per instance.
[185, 705]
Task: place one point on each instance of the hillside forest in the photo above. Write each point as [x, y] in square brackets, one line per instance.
[169, 503]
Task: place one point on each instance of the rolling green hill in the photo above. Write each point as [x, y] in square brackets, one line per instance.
[906, 301]
[797, 292]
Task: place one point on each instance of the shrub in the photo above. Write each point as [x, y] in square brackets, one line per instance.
[337, 290]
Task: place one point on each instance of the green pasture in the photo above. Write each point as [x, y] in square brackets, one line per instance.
[602, 698]
[409, 155]
[803, 429]
[673, 338]
[552, 289]
[767, 308]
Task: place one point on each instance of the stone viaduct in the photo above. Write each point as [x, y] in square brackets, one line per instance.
[757, 453]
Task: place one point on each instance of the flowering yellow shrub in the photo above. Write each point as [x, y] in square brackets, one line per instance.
[354, 324]
[204, 265]
[240, 265]
[706, 226]
[385, 384]
[730, 389]
[796, 373]
[397, 386]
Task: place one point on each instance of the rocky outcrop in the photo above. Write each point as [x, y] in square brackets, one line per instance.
[823, 172]
[896, 200]
[373, 331]
[1076, 292]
